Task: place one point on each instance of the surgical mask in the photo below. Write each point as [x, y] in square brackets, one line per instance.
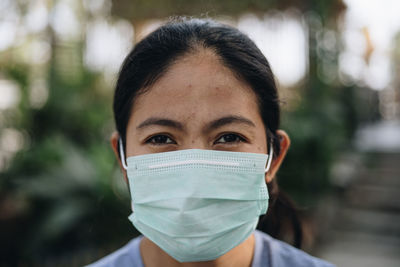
[197, 204]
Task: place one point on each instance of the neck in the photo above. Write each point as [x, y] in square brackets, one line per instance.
[241, 255]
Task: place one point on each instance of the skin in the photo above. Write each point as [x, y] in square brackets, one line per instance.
[198, 103]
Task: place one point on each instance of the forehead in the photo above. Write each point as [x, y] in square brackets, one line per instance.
[197, 83]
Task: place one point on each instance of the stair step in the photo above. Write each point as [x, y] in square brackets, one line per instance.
[382, 176]
[374, 197]
[349, 249]
[368, 221]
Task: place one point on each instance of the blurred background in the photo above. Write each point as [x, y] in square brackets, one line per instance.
[63, 201]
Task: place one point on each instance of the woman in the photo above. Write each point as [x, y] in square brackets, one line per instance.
[197, 115]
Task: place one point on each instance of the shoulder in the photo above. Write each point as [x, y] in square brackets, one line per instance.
[277, 253]
[128, 255]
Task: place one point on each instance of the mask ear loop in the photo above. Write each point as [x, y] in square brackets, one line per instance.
[122, 154]
[271, 151]
[122, 157]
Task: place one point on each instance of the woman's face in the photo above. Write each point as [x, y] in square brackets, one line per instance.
[198, 103]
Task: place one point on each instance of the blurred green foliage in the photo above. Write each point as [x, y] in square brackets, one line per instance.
[63, 196]
[62, 187]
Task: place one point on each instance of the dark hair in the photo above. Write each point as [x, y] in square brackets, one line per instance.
[151, 57]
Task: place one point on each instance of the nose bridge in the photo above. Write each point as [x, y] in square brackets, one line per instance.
[194, 137]
[195, 141]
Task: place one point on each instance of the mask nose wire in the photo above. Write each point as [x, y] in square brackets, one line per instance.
[122, 154]
[271, 151]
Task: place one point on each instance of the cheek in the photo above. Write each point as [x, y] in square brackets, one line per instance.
[262, 147]
[133, 147]
[261, 141]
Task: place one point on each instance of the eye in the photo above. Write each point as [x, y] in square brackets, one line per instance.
[160, 139]
[229, 138]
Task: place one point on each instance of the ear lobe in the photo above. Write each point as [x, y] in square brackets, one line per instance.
[284, 143]
[115, 147]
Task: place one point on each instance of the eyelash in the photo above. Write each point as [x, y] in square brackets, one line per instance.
[238, 138]
[152, 140]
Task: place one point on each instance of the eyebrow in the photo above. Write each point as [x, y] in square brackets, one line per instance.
[228, 120]
[211, 126]
[160, 122]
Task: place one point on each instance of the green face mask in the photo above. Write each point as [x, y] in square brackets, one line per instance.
[196, 204]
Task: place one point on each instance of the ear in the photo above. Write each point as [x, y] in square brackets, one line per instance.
[115, 147]
[284, 143]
